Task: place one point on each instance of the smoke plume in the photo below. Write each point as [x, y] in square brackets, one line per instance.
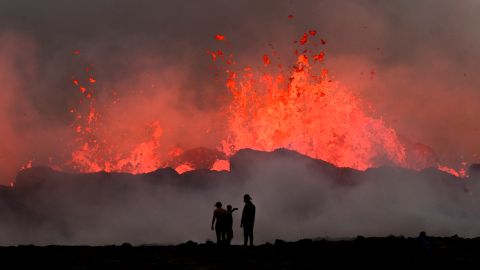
[415, 62]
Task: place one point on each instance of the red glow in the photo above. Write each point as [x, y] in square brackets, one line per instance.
[303, 39]
[300, 108]
[221, 165]
[214, 55]
[175, 152]
[184, 168]
[319, 57]
[27, 165]
[458, 173]
[311, 115]
[266, 60]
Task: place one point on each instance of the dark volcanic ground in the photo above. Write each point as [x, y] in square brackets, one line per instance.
[361, 253]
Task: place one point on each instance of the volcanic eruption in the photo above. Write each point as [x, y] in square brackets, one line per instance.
[129, 123]
[297, 107]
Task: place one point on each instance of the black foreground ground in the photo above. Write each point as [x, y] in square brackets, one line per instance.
[361, 253]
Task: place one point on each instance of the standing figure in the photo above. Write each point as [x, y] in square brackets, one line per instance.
[229, 223]
[219, 215]
[248, 219]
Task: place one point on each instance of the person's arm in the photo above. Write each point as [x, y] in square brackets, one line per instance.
[213, 220]
[243, 216]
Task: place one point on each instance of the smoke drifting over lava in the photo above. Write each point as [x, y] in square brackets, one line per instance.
[295, 196]
[413, 62]
[157, 100]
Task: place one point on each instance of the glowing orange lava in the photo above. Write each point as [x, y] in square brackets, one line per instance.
[302, 109]
[310, 114]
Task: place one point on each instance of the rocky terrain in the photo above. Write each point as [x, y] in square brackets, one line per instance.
[359, 253]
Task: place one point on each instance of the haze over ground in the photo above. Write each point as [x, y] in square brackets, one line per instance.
[413, 61]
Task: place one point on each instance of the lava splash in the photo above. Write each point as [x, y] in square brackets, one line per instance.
[310, 114]
[301, 108]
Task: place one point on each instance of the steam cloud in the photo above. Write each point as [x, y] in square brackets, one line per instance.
[296, 197]
[416, 62]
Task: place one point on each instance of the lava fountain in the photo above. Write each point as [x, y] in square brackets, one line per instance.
[310, 114]
[301, 108]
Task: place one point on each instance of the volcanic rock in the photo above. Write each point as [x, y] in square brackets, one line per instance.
[474, 171]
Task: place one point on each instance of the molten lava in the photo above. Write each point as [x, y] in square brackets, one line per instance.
[301, 109]
[310, 114]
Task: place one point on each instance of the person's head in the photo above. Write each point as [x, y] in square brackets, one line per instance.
[247, 198]
[229, 207]
[218, 205]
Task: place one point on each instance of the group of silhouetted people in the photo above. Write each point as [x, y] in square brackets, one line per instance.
[222, 222]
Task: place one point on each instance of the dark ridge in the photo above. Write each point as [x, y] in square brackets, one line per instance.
[245, 162]
[474, 171]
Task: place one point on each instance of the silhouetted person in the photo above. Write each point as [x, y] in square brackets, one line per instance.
[219, 215]
[424, 243]
[229, 223]
[248, 219]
